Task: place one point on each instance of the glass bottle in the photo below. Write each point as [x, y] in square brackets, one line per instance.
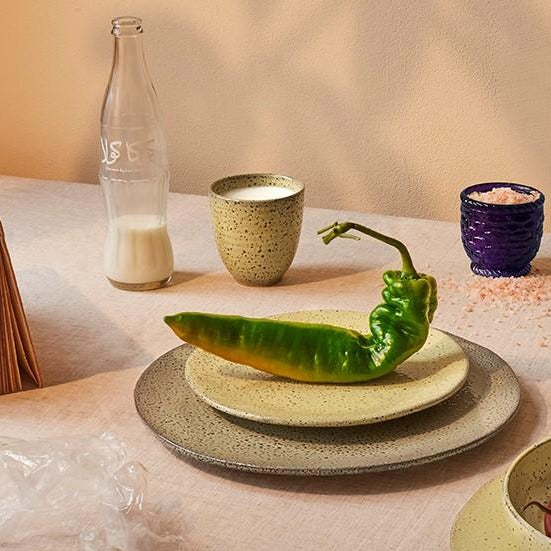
[134, 169]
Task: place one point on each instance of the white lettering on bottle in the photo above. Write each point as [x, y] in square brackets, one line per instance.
[110, 151]
[140, 150]
[136, 152]
[132, 152]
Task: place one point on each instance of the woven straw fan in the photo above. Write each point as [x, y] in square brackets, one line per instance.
[17, 353]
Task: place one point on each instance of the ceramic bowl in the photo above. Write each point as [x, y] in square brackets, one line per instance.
[496, 518]
[501, 240]
[529, 479]
[257, 238]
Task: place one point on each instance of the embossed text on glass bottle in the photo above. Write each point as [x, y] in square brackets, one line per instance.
[134, 169]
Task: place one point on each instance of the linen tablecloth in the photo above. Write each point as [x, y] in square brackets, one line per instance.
[94, 341]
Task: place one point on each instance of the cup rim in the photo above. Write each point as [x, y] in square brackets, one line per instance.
[507, 500]
[249, 175]
[464, 195]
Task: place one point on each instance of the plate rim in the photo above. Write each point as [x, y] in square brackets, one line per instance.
[337, 471]
[330, 471]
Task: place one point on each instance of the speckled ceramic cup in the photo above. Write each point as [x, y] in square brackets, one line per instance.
[257, 238]
[529, 479]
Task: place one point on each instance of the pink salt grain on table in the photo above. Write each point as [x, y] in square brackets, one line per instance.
[511, 293]
[504, 196]
[521, 298]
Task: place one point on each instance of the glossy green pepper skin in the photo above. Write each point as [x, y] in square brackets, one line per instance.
[323, 353]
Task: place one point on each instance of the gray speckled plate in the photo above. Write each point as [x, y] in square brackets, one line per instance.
[188, 425]
[431, 375]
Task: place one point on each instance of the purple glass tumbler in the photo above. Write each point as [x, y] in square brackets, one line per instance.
[501, 240]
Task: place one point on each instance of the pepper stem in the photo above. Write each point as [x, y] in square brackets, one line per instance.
[339, 229]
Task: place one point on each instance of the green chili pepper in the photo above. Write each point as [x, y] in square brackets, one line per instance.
[324, 353]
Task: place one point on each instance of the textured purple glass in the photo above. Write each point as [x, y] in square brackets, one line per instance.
[501, 240]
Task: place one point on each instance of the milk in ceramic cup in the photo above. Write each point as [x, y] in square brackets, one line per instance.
[257, 193]
[138, 249]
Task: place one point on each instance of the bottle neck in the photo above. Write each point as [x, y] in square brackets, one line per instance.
[129, 54]
[129, 58]
[130, 95]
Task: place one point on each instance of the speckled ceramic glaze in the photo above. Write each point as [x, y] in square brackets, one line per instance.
[189, 426]
[483, 523]
[501, 240]
[494, 519]
[428, 377]
[529, 479]
[257, 239]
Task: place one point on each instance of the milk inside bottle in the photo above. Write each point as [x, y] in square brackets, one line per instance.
[134, 169]
[137, 249]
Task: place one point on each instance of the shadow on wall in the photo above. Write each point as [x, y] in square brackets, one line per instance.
[263, 106]
[377, 106]
[318, 90]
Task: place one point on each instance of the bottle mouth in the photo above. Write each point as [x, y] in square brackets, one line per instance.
[126, 25]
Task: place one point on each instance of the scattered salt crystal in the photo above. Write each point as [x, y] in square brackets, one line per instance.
[509, 294]
[504, 196]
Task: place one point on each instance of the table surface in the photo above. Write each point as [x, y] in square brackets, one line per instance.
[94, 341]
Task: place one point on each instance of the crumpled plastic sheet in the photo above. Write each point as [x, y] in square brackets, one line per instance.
[77, 493]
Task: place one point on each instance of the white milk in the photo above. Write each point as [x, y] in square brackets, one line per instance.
[138, 249]
[257, 193]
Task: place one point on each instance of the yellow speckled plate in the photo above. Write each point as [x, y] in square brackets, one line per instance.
[430, 376]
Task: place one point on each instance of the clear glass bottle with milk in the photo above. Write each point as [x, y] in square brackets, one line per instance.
[134, 169]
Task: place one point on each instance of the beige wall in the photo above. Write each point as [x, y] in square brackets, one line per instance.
[380, 105]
